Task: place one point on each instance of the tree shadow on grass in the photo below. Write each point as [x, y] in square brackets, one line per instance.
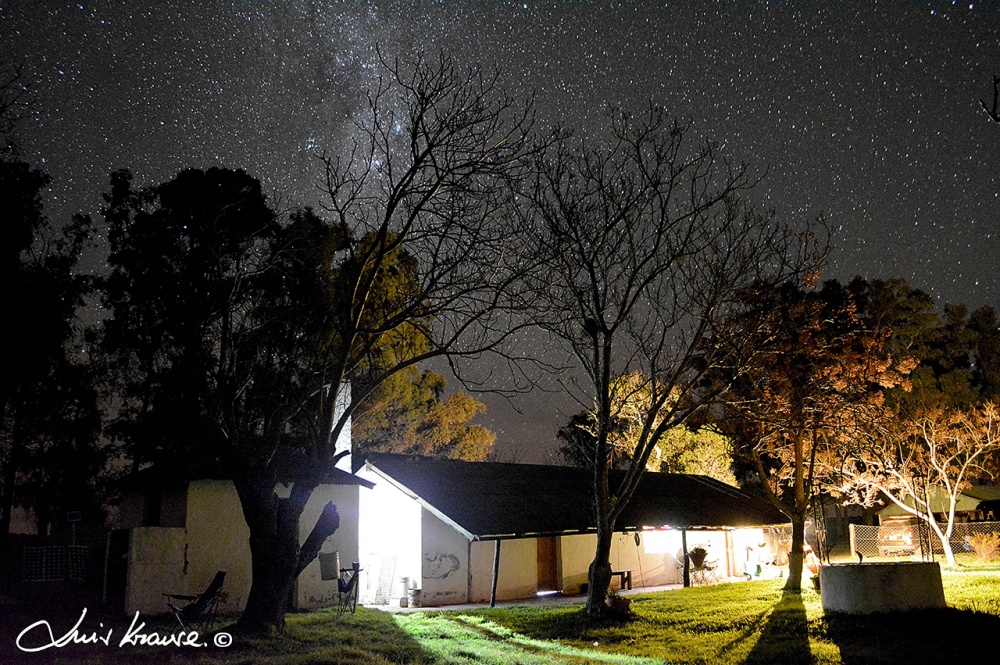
[785, 637]
[924, 636]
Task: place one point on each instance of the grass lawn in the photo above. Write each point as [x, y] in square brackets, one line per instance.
[751, 622]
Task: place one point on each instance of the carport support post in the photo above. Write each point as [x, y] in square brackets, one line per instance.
[687, 563]
[496, 573]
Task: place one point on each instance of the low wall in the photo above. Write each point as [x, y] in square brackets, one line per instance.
[867, 588]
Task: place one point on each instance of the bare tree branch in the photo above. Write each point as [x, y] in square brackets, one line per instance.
[994, 113]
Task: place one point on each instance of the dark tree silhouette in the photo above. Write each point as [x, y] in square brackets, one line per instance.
[48, 419]
[647, 250]
[993, 112]
[257, 330]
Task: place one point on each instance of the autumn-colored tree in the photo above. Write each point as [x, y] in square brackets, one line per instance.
[409, 413]
[816, 383]
[922, 458]
[957, 357]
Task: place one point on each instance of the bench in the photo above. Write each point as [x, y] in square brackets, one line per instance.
[624, 577]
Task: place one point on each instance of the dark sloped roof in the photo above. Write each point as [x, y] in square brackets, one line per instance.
[489, 500]
[153, 477]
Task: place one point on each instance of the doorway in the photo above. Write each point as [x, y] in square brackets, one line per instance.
[548, 564]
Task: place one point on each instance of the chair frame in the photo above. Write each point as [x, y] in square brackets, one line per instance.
[198, 610]
[347, 589]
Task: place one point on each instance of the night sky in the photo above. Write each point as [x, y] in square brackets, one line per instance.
[867, 113]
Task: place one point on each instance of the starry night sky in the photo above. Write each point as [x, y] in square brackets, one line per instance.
[867, 113]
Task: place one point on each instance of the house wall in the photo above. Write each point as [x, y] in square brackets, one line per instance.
[388, 537]
[518, 574]
[155, 567]
[653, 561]
[312, 590]
[445, 563]
[218, 538]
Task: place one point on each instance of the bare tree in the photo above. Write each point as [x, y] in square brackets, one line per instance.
[647, 250]
[417, 262]
[928, 457]
[15, 100]
[424, 194]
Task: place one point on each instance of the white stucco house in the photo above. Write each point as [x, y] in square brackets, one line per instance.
[444, 530]
[443, 526]
[174, 539]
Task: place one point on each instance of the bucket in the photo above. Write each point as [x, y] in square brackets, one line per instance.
[329, 565]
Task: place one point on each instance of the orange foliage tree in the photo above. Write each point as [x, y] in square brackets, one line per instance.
[816, 382]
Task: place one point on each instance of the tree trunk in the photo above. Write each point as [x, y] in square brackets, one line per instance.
[277, 557]
[801, 509]
[944, 538]
[794, 581]
[274, 551]
[599, 574]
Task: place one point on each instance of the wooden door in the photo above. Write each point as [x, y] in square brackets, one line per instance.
[548, 564]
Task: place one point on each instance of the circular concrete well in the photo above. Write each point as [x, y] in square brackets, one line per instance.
[866, 588]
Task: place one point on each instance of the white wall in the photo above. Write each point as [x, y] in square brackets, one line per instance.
[388, 537]
[218, 538]
[445, 563]
[155, 567]
[312, 590]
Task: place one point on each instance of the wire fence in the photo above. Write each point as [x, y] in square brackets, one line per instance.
[891, 541]
[54, 564]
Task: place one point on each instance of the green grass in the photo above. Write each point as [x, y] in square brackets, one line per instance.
[755, 622]
[726, 624]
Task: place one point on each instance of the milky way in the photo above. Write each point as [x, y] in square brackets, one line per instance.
[867, 114]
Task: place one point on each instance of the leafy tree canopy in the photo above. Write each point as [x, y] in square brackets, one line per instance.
[409, 413]
[49, 457]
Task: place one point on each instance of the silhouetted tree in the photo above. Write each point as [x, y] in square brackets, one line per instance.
[985, 326]
[993, 112]
[257, 329]
[647, 252]
[15, 100]
[48, 420]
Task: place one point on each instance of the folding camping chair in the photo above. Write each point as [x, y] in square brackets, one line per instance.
[347, 588]
[201, 609]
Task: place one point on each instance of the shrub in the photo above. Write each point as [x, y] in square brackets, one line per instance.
[985, 545]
